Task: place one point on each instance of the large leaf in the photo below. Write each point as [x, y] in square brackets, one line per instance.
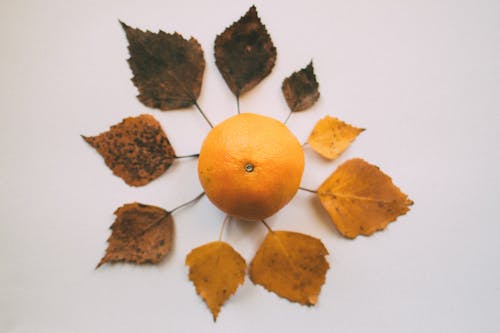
[331, 136]
[168, 69]
[245, 53]
[301, 89]
[137, 149]
[361, 199]
[216, 270]
[292, 265]
[140, 234]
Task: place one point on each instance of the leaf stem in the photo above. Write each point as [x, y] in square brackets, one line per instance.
[226, 220]
[203, 114]
[198, 197]
[288, 117]
[266, 225]
[238, 103]
[187, 156]
[307, 190]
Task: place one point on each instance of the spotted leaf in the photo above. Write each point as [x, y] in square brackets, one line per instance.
[137, 149]
[140, 234]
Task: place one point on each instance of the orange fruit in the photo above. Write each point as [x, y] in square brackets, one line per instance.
[250, 166]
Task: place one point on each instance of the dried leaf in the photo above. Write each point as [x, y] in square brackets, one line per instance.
[244, 53]
[216, 270]
[301, 89]
[140, 234]
[137, 149]
[331, 136]
[361, 199]
[168, 69]
[292, 265]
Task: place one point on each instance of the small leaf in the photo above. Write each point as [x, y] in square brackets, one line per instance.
[245, 53]
[140, 234]
[137, 149]
[301, 89]
[292, 265]
[331, 136]
[361, 199]
[216, 270]
[168, 69]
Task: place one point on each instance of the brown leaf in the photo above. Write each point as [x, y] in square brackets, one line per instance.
[216, 270]
[137, 149]
[361, 199]
[140, 234]
[331, 136]
[168, 69]
[301, 89]
[292, 265]
[244, 53]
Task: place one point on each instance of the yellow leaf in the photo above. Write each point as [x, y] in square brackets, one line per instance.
[331, 136]
[361, 199]
[292, 265]
[216, 270]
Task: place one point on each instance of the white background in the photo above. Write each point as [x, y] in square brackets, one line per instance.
[423, 77]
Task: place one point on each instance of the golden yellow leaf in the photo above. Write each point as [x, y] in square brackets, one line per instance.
[331, 136]
[292, 265]
[216, 270]
[361, 199]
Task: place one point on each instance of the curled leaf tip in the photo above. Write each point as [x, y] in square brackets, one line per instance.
[123, 24]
